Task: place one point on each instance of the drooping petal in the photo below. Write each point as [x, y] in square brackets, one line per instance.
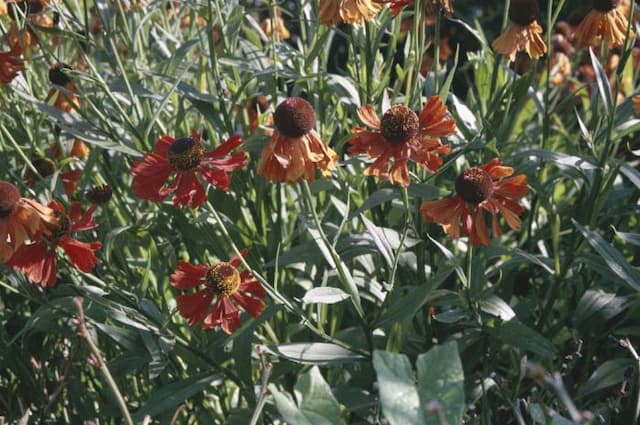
[188, 275]
[251, 286]
[82, 254]
[253, 306]
[194, 307]
[149, 177]
[189, 191]
[368, 115]
[37, 262]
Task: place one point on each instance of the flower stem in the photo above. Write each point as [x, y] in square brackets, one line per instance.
[266, 368]
[405, 231]
[347, 282]
[84, 334]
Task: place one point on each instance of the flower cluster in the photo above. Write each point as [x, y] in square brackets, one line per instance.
[30, 233]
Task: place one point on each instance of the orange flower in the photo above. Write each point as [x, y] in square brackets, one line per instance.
[479, 189]
[295, 150]
[403, 135]
[276, 25]
[523, 33]
[20, 219]
[604, 20]
[10, 64]
[333, 12]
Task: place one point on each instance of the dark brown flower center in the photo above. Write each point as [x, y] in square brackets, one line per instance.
[9, 197]
[61, 229]
[474, 185]
[399, 124]
[44, 166]
[294, 117]
[185, 154]
[58, 76]
[99, 194]
[523, 12]
[605, 5]
[223, 279]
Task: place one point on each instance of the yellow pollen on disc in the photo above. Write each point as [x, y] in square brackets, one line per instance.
[185, 154]
[223, 278]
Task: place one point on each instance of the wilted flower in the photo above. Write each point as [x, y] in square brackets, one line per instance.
[333, 12]
[21, 219]
[226, 284]
[295, 150]
[187, 158]
[10, 64]
[38, 260]
[605, 20]
[402, 135]
[523, 33]
[480, 189]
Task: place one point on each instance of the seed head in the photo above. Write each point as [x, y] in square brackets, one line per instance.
[294, 117]
[474, 185]
[399, 124]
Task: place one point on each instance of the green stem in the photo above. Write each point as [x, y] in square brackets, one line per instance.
[405, 231]
[342, 273]
[84, 334]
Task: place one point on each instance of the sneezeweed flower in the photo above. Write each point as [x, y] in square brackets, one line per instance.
[333, 12]
[38, 260]
[79, 150]
[186, 158]
[10, 64]
[523, 33]
[222, 281]
[480, 189]
[401, 135]
[605, 20]
[67, 99]
[295, 150]
[275, 25]
[21, 219]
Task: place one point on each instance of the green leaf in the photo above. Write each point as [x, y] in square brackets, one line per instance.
[496, 306]
[398, 393]
[520, 336]
[603, 82]
[169, 396]
[608, 374]
[316, 403]
[315, 353]
[612, 257]
[441, 379]
[324, 295]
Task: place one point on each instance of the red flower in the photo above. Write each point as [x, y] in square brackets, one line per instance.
[403, 135]
[38, 260]
[10, 64]
[478, 189]
[186, 157]
[222, 281]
